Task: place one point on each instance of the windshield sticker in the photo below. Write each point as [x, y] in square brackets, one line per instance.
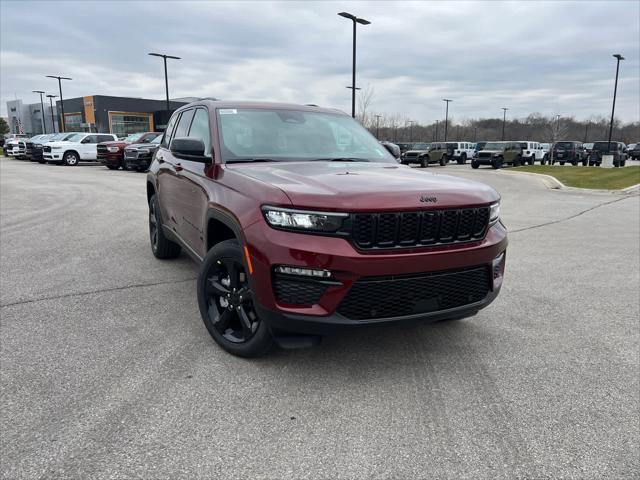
[228, 111]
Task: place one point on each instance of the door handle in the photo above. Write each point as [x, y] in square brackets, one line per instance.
[178, 167]
[160, 159]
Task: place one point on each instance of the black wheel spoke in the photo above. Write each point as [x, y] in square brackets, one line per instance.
[223, 321]
[215, 288]
[245, 322]
[232, 270]
[152, 218]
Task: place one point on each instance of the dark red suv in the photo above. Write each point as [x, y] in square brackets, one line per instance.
[304, 224]
[111, 154]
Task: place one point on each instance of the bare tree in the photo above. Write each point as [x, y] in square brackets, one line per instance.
[365, 98]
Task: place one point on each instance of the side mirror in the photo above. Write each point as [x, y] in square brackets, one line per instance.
[189, 149]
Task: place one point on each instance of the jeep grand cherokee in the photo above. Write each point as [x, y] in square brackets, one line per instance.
[304, 224]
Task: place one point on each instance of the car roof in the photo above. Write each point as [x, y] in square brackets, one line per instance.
[257, 105]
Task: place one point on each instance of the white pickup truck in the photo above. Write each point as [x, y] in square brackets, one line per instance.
[79, 147]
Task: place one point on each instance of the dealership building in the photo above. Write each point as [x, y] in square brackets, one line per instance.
[96, 113]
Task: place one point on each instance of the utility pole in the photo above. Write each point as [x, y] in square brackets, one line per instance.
[504, 120]
[44, 126]
[378, 126]
[446, 118]
[53, 122]
[436, 139]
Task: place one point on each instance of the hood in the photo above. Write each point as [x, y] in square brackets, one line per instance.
[119, 143]
[57, 144]
[352, 186]
[138, 146]
[416, 151]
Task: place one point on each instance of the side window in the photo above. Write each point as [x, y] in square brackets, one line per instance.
[200, 129]
[182, 129]
[105, 138]
[91, 139]
[169, 130]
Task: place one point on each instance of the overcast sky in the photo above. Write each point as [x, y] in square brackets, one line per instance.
[548, 57]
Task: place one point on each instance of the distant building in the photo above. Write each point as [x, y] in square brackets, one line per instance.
[96, 113]
[28, 118]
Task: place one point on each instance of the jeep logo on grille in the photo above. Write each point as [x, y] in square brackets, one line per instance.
[428, 199]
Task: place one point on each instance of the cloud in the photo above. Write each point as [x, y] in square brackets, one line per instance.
[548, 57]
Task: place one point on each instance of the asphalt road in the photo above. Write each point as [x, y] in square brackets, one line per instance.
[108, 372]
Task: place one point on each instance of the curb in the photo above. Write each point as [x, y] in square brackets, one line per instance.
[631, 189]
[550, 182]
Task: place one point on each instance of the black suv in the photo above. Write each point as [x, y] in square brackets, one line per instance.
[568, 152]
[618, 150]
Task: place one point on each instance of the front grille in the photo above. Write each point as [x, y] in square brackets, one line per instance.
[401, 296]
[294, 291]
[131, 154]
[405, 229]
[482, 154]
[102, 150]
[46, 148]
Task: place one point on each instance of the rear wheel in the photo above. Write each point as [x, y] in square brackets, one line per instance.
[518, 161]
[226, 303]
[463, 159]
[574, 163]
[161, 246]
[443, 160]
[561, 163]
[584, 162]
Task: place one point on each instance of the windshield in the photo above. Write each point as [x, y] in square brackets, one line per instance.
[157, 140]
[134, 137]
[293, 135]
[563, 145]
[494, 146]
[604, 146]
[76, 137]
[420, 146]
[480, 145]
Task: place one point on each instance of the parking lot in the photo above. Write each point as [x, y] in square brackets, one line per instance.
[107, 370]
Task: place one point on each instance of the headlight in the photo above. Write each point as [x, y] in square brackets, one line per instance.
[494, 213]
[113, 149]
[301, 220]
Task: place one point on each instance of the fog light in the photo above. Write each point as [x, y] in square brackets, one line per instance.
[497, 268]
[307, 272]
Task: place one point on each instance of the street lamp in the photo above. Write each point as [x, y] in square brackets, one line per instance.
[436, 139]
[446, 118]
[504, 119]
[166, 80]
[44, 127]
[395, 133]
[378, 126]
[361, 21]
[61, 101]
[558, 126]
[53, 122]
[615, 91]
[411, 122]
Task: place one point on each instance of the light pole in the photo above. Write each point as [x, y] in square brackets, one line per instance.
[446, 118]
[361, 21]
[615, 91]
[557, 127]
[53, 122]
[61, 100]
[166, 79]
[44, 126]
[475, 134]
[504, 120]
[436, 139]
[586, 132]
[395, 133]
[378, 126]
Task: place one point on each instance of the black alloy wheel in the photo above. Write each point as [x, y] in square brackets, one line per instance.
[226, 302]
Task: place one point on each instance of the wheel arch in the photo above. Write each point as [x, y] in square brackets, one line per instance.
[221, 226]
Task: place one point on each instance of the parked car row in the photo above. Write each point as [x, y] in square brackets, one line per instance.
[515, 153]
[132, 152]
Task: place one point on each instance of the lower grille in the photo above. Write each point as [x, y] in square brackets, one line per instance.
[46, 148]
[400, 296]
[294, 291]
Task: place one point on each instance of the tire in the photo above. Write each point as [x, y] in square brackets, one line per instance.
[161, 246]
[561, 163]
[112, 167]
[444, 160]
[585, 162]
[474, 164]
[574, 163]
[226, 306]
[71, 159]
[42, 162]
[463, 159]
[125, 166]
[424, 163]
[517, 162]
[497, 163]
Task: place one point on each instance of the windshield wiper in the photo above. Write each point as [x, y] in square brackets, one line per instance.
[250, 160]
[341, 159]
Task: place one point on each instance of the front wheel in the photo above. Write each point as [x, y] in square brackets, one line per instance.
[497, 163]
[444, 160]
[424, 163]
[474, 164]
[71, 159]
[225, 299]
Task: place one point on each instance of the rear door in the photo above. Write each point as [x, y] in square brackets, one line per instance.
[88, 147]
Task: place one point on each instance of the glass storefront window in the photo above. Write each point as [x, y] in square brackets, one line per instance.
[72, 122]
[123, 124]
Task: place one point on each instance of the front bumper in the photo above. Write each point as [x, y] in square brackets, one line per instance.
[111, 159]
[52, 156]
[483, 160]
[348, 265]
